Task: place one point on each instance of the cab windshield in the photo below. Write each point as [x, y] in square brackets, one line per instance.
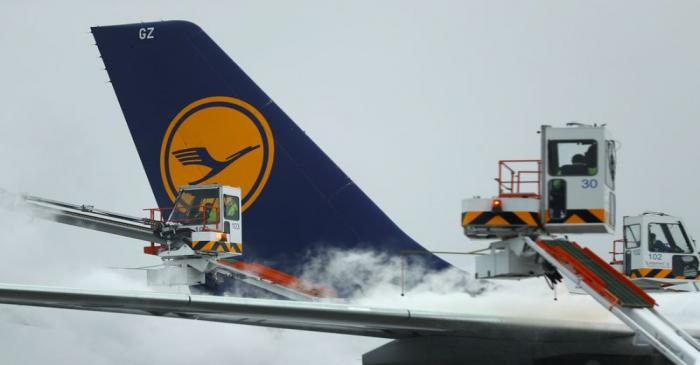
[668, 237]
[197, 206]
[573, 157]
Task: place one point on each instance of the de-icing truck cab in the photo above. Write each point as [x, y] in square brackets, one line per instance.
[571, 189]
[657, 250]
[578, 179]
[206, 219]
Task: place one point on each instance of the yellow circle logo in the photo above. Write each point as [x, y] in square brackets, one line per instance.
[218, 140]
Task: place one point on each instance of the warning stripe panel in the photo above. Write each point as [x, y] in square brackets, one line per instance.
[217, 246]
[528, 217]
[469, 217]
[525, 218]
[646, 272]
[519, 218]
[580, 216]
[198, 245]
[598, 213]
[574, 219]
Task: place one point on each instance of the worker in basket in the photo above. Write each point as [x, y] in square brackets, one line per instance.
[231, 207]
[658, 245]
[211, 214]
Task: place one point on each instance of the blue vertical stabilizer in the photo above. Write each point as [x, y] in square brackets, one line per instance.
[197, 118]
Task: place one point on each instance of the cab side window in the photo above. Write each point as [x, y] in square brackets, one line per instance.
[632, 236]
[612, 164]
[232, 208]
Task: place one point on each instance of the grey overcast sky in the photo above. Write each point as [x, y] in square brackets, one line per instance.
[416, 101]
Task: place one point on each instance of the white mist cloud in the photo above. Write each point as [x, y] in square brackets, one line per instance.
[42, 253]
[375, 279]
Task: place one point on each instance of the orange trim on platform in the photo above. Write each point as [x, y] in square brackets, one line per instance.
[497, 221]
[281, 278]
[598, 213]
[575, 219]
[526, 217]
[470, 216]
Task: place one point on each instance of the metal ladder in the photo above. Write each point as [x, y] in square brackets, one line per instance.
[621, 296]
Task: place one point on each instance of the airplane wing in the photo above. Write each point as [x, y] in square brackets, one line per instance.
[311, 316]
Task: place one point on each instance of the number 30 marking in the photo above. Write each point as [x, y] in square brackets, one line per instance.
[146, 33]
[589, 183]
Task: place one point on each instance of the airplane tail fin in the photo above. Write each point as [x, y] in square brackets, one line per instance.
[197, 118]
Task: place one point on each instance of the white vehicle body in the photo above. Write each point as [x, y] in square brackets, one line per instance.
[657, 247]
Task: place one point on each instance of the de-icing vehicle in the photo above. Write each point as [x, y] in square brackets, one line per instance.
[205, 219]
[572, 190]
[657, 252]
[199, 239]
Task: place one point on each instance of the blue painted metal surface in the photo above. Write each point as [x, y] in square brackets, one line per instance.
[307, 203]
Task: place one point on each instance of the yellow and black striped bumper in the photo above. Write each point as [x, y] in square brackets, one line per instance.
[579, 216]
[217, 246]
[487, 218]
[659, 274]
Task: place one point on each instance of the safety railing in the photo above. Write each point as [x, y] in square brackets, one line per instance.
[204, 212]
[615, 253]
[519, 178]
[201, 220]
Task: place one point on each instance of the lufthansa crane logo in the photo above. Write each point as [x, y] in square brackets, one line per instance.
[220, 140]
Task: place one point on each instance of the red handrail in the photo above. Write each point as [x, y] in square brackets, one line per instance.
[511, 178]
[615, 252]
[202, 209]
